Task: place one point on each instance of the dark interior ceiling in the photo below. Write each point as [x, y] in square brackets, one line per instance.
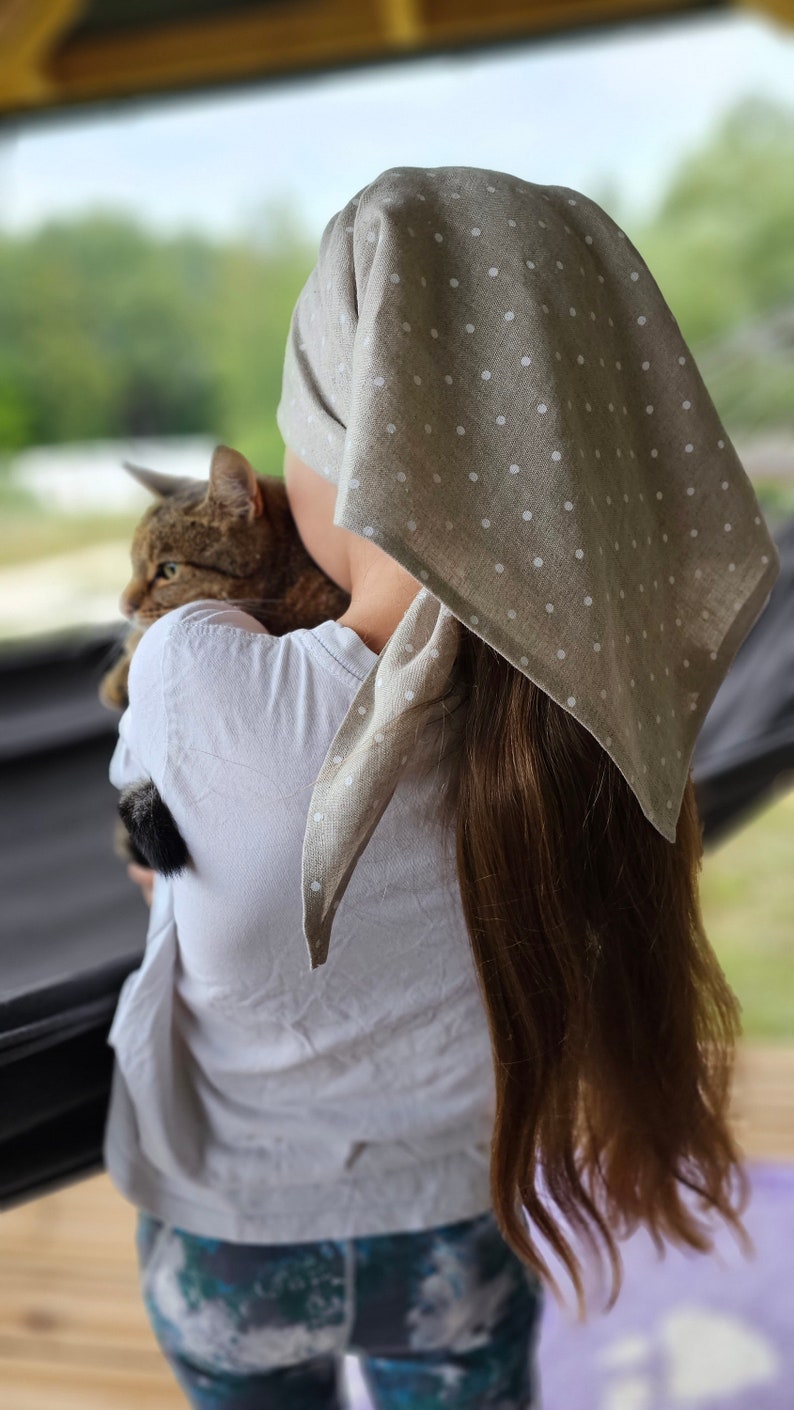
[131, 16]
[61, 53]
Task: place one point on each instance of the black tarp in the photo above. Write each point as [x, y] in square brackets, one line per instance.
[73, 926]
[745, 750]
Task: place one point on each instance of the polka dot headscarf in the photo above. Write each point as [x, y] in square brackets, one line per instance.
[487, 371]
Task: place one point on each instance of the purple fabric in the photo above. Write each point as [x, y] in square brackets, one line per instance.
[692, 1331]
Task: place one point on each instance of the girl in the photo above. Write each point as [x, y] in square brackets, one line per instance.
[476, 786]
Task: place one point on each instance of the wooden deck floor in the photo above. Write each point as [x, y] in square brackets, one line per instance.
[73, 1334]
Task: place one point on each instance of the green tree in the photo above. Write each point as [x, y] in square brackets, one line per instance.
[105, 330]
[257, 294]
[720, 243]
[720, 246]
[108, 329]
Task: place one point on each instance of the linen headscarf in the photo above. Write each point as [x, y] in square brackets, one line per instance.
[489, 374]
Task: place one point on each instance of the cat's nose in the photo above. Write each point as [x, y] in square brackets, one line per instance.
[128, 605]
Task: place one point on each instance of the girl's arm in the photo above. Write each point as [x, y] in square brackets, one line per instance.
[140, 756]
[143, 877]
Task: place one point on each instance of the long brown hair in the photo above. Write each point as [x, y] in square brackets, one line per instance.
[612, 1025]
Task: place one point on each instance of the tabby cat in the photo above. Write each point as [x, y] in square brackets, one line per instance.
[234, 538]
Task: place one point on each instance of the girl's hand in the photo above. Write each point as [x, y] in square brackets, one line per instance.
[143, 877]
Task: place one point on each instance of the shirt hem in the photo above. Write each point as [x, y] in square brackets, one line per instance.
[423, 1197]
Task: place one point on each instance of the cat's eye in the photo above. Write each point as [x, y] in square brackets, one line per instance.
[167, 570]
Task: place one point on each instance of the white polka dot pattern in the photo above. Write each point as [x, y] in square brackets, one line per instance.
[511, 411]
[364, 762]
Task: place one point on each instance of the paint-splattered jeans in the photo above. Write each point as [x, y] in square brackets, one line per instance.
[447, 1317]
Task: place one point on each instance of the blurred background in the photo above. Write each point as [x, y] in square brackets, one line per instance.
[150, 256]
[166, 172]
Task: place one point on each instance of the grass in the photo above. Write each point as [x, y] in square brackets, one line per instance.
[25, 538]
[747, 899]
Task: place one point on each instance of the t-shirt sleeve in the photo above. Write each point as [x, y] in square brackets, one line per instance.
[143, 728]
[142, 748]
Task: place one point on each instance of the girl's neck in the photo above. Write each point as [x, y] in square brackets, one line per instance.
[375, 622]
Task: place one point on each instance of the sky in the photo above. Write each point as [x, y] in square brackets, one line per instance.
[614, 112]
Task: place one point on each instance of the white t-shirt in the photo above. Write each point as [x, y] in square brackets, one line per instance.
[256, 1100]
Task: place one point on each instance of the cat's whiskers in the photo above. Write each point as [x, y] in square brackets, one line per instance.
[246, 604]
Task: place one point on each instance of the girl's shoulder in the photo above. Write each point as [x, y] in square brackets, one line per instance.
[211, 656]
[206, 614]
[232, 628]
[181, 627]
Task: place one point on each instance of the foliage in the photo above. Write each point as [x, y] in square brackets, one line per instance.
[720, 247]
[109, 330]
[745, 895]
[722, 235]
[31, 536]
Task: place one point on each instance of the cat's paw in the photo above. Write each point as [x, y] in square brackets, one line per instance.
[113, 686]
[152, 828]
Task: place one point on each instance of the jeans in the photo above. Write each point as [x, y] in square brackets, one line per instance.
[445, 1317]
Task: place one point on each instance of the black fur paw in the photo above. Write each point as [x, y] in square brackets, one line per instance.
[152, 829]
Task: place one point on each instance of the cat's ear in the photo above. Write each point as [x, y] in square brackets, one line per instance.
[163, 486]
[234, 488]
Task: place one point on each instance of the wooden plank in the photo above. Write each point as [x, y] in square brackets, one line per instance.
[471, 20]
[46, 68]
[74, 1334]
[88, 1222]
[763, 1101]
[289, 37]
[73, 1331]
[402, 22]
[233, 46]
[28, 33]
[58, 1318]
[32, 1386]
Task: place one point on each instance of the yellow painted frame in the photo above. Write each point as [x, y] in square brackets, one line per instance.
[46, 62]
